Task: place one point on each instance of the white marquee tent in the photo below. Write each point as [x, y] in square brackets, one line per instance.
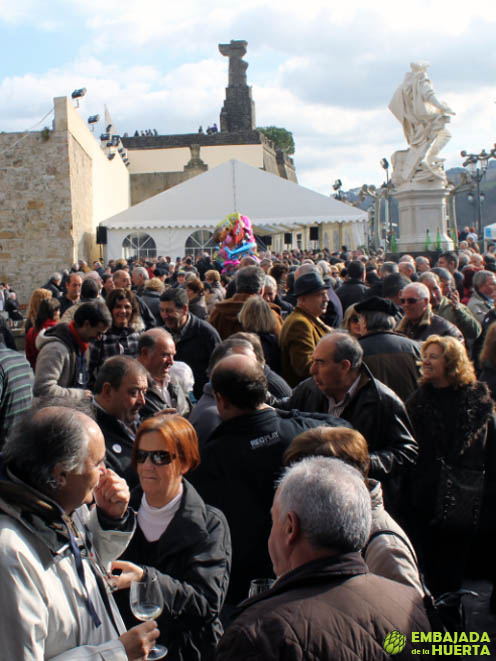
[186, 215]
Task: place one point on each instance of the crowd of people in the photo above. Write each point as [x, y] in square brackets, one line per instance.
[323, 419]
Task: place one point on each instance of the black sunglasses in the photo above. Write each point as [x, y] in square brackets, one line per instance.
[158, 457]
[410, 301]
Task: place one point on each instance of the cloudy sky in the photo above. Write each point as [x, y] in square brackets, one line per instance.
[325, 70]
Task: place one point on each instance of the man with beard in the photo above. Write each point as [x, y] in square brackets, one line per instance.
[195, 339]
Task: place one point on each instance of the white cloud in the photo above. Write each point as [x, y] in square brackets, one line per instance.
[325, 71]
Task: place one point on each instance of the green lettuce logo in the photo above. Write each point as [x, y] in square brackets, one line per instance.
[394, 642]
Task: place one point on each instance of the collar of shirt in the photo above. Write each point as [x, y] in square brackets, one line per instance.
[336, 408]
[177, 335]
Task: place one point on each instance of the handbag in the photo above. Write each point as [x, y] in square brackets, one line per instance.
[459, 498]
[446, 613]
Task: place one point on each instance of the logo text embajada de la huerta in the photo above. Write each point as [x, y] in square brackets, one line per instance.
[453, 644]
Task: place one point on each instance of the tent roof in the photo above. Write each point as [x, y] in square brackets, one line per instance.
[273, 204]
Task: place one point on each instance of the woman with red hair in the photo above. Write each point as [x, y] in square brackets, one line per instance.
[179, 539]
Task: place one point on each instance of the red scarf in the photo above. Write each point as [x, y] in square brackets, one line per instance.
[83, 346]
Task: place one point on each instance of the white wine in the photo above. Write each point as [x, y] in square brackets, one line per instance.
[146, 610]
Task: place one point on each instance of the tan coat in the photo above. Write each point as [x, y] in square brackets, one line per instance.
[299, 336]
[224, 316]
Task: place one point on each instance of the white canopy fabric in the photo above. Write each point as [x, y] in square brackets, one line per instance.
[273, 204]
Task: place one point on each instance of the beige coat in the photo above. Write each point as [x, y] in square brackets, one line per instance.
[299, 337]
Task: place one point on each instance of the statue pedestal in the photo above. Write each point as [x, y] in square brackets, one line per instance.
[422, 209]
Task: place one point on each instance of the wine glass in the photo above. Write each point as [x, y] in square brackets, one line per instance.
[260, 585]
[147, 603]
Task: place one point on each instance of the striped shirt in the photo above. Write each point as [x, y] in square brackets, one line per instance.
[16, 392]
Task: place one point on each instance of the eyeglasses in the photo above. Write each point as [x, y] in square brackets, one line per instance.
[410, 301]
[158, 457]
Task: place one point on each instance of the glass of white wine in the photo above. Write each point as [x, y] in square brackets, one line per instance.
[147, 603]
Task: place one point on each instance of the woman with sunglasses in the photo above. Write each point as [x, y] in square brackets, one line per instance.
[179, 539]
[351, 322]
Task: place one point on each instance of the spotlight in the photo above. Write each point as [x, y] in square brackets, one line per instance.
[111, 156]
[93, 119]
[104, 136]
[78, 94]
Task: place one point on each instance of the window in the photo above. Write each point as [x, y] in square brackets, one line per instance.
[198, 242]
[137, 245]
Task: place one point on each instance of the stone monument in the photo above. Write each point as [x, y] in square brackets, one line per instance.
[238, 111]
[418, 172]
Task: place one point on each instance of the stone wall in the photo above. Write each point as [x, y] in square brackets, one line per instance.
[55, 185]
[35, 209]
[81, 177]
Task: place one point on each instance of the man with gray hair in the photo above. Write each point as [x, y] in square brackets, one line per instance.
[445, 302]
[139, 278]
[54, 550]
[325, 603]
[53, 284]
[392, 358]
[419, 321]
[249, 282]
[482, 299]
[341, 384]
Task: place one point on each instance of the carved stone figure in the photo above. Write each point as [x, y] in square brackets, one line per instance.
[238, 111]
[423, 118]
[235, 51]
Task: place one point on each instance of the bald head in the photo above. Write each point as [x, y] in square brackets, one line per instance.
[306, 267]
[122, 279]
[156, 351]
[240, 382]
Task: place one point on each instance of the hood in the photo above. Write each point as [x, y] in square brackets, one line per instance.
[58, 333]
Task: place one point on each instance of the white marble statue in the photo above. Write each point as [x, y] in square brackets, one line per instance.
[423, 118]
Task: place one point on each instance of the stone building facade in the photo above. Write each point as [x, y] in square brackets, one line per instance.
[53, 193]
[57, 185]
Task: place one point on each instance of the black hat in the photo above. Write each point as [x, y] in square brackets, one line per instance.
[308, 284]
[377, 304]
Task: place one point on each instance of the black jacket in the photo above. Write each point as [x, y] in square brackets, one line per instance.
[56, 291]
[380, 415]
[393, 359]
[191, 561]
[351, 291]
[473, 444]
[194, 347]
[240, 463]
[119, 440]
[151, 299]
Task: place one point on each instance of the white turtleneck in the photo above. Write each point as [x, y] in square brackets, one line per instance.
[154, 521]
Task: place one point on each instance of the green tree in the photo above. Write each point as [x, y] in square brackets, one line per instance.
[282, 138]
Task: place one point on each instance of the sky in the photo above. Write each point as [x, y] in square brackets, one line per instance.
[325, 70]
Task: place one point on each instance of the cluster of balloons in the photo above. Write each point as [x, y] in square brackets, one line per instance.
[235, 240]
